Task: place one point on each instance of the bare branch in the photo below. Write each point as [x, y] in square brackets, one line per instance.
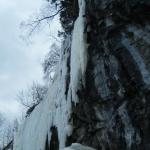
[33, 25]
[48, 17]
[8, 146]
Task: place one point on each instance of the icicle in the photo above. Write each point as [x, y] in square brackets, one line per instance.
[78, 52]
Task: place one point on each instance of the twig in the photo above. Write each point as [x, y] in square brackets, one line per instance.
[48, 17]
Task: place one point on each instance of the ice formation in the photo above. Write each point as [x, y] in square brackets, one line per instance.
[55, 109]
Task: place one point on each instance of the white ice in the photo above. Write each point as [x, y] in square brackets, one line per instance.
[55, 109]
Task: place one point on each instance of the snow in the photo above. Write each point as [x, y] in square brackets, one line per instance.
[77, 146]
[55, 109]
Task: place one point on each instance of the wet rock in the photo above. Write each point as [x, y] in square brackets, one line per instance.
[113, 112]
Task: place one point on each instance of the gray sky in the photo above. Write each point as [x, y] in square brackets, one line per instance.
[20, 63]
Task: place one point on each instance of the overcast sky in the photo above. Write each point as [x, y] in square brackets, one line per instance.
[20, 63]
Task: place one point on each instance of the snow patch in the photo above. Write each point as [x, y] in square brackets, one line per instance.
[77, 146]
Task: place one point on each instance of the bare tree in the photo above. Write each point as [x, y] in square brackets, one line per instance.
[9, 146]
[50, 62]
[33, 96]
[45, 15]
[8, 136]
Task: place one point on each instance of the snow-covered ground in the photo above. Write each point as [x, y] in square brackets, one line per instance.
[76, 146]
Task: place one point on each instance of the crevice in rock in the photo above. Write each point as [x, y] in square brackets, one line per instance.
[68, 73]
[47, 144]
[54, 142]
